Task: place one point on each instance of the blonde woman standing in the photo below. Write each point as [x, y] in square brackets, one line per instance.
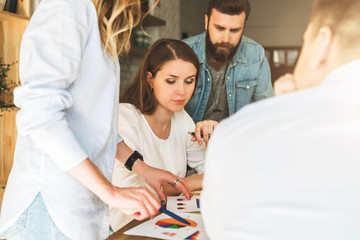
[59, 186]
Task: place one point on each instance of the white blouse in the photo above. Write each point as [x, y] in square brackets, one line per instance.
[172, 154]
[68, 100]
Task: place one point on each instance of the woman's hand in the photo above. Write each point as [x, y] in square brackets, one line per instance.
[156, 178]
[194, 182]
[140, 200]
[284, 84]
[153, 176]
[203, 131]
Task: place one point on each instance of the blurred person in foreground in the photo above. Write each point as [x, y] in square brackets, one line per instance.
[297, 175]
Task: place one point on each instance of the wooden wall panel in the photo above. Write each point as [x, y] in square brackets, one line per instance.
[11, 29]
[8, 138]
[8, 134]
[2, 149]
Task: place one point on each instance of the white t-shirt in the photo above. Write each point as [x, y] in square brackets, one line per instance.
[172, 154]
[288, 167]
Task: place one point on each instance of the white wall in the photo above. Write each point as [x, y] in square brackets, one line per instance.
[278, 22]
[271, 22]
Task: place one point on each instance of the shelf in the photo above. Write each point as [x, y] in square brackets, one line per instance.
[148, 21]
[151, 21]
[4, 15]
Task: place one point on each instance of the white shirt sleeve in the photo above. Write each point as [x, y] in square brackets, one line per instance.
[51, 52]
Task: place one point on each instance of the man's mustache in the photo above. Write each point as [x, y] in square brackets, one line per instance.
[226, 45]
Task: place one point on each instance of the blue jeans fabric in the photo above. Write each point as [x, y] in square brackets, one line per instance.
[34, 224]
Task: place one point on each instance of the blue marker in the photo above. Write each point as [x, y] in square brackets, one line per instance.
[173, 215]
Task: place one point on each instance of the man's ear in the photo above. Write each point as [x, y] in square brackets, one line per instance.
[149, 78]
[206, 22]
[323, 45]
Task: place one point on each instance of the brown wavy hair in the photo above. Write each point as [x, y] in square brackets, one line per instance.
[138, 92]
[116, 19]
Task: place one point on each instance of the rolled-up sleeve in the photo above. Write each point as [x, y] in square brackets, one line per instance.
[51, 53]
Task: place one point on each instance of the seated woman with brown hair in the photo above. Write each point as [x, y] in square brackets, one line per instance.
[152, 119]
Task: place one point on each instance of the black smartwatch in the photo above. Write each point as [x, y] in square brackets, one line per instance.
[131, 160]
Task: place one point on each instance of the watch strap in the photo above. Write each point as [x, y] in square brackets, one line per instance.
[131, 160]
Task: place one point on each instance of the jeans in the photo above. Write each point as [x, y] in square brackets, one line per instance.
[34, 224]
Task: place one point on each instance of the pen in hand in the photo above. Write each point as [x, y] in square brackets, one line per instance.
[193, 134]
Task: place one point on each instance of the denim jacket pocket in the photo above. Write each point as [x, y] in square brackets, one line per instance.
[247, 83]
[244, 91]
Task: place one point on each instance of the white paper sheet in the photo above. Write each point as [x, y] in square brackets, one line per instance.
[165, 227]
[180, 204]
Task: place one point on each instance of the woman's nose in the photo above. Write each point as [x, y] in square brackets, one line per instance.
[180, 89]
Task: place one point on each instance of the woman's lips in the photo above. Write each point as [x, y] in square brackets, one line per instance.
[179, 101]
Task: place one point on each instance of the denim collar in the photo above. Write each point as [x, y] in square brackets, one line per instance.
[202, 52]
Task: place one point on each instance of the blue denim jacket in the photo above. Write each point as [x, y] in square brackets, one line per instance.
[247, 78]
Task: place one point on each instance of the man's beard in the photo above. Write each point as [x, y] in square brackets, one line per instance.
[218, 54]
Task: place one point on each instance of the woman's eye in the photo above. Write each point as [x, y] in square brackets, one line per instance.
[170, 81]
[189, 81]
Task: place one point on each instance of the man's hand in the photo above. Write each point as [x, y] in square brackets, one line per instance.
[203, 131]
[157, 177]
[284, 84]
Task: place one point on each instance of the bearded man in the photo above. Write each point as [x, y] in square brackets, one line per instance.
[234, 70]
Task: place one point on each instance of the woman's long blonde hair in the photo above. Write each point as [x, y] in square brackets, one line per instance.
[116, 20]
